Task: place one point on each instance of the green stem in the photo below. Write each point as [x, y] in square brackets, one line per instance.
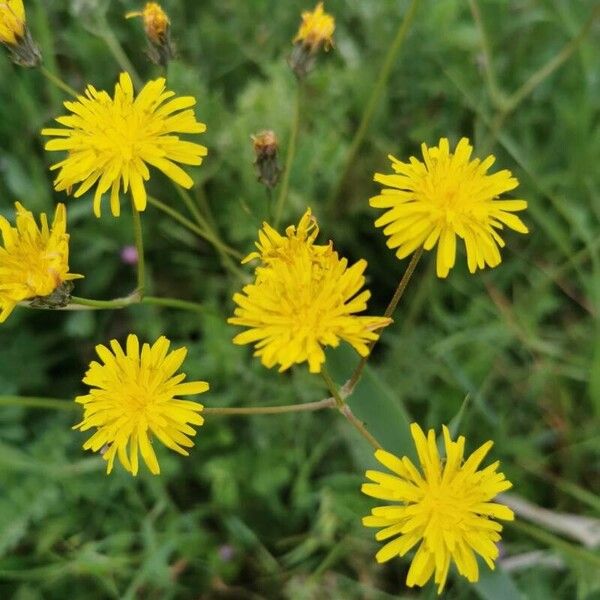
[57, 81]
[139, 246]
[496, 95]
[389, 311]
[90, 304]
[271, 410]
[332, 387]
[177, 216]
[37, 402]
[78, 303]
[119, 54]
[211, 232]
[289, 159]
[346, 411]
[365, 122]
[174, 303]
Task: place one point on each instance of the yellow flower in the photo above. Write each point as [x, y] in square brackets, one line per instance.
[316, 29]
[132, 395]
[304, 297]
[446, 196]
[12, 21]
[110, 141]
[272, 245]
[156, 22]
[34, 260]
[446, 508]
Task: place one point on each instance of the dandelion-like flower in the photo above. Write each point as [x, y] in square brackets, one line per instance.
[304, 297]
[448, 195]
[133, 396]
[446, 508]
[316, 29]
[34, 259]
[15, 35]
[110, 141]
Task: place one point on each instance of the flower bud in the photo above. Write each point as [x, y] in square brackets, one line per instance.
[316, 31]
[15, 35]
[266, 163]
[157, 27]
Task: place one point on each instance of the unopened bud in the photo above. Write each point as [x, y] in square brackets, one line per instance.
[157, 27]
[316, 32]
[266, 163]
[15, 35]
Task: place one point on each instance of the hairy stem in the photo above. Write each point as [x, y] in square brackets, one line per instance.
[272, 410]
[346, 411]
[57, 81]
[389, 311]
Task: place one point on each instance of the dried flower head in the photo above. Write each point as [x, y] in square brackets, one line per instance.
[34, 260]
[446, 508]
[110, 141]
[133, 397]
[15, 35]
[304, 297]
[448, 195]
[265, 150]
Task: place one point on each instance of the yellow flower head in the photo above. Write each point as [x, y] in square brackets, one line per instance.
[132, 396]
[156, 22]
[304, 297]
[110, 141]
[448, 195]
[446, 508]
[34, 260]
[272, 245]
[316, 29]
[12, 21]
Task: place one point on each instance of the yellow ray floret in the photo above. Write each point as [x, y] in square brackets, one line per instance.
[445, 509]
[12, 21]
[448, 195]
[111, 141]
[316, 29]
[133, 398]
[34, 260]
[304, 297]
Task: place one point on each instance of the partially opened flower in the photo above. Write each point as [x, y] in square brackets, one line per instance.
[15, 35]
[34, 260]
[316, 29]
[445, 509]
[448, 195]
[304, 297]
[156, 21]
[316, 32]
[12, 21]
[111, 141]
[157, 26]
[133, 399]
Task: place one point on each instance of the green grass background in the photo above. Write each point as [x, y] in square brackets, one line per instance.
[269, 507]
